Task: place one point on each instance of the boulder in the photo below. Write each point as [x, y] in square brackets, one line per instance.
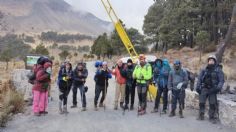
[227, 110]
[20, 82]
[191, 99]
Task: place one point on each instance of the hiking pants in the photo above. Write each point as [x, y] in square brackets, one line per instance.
[120, 93]
[129, 92]
[82, 94]
[142, 95]
[212, 98]
[98, 90]
[177, 96]
[164, 91]
[40, 101]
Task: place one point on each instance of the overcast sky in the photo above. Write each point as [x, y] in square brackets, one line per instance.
[131, 12]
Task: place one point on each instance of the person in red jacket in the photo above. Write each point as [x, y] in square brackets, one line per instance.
[40, 88]
[119, 73]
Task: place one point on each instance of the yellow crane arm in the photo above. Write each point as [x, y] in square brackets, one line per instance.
[120, 29]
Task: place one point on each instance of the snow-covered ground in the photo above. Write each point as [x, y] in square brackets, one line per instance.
[108, 120]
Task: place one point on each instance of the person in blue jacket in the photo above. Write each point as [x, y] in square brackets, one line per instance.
[161, 74]
[101, 84]
[64, 83]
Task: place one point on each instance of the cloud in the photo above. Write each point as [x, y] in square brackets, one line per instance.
[131, 12]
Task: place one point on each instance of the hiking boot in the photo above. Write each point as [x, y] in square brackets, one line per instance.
[181, 114]
[139, 109]
[43, 112]
[172, 113]
[213, 120]
[155, 110]
[83, 109]
[65, 109]
[131, 107]
[164, 112]
[142, 112]
[201, 117]
[126, 107]
[73, 106]
[101, 105]
[121, 105]
[37, 114]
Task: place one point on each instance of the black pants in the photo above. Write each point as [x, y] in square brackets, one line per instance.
[161, 91]
[142, 95]
[82, 94]
[212, 98]
[98, 90]
[178, 96]
[129, 92]
[64, 89]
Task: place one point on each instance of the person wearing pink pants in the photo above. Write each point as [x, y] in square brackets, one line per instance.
[40, 89]
[40, 102]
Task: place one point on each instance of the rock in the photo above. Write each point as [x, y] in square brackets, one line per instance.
[227, 107]
[191, 99]
[20, 82]
[227, 112]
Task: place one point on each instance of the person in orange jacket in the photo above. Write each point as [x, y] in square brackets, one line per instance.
[119, 73]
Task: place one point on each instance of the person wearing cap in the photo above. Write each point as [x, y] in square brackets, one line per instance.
[40, 89]
[130, 85]
[64, 83]
[119, 73]
[80, 75]
[101, 84]
[142, 73]
[210, 82]
[177, 83]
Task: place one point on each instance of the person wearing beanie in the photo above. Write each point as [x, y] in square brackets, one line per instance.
[101, 84]
[177, 83]
[80, 75]
[40, 89]
[130, 85]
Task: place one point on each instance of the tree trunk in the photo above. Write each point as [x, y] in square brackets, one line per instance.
[226, 41]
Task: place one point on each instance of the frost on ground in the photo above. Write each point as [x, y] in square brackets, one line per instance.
[107, 120]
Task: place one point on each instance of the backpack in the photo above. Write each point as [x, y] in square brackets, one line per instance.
[32, 75]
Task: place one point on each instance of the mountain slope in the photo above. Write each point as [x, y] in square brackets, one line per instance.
[44, 15]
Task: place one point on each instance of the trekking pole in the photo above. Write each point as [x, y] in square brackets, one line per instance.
[105, 94]
[124, 101]
[217, 109]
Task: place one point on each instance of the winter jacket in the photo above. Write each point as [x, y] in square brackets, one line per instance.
[42, 80]
[211, 78]
[101, 77]
[79, 80]
[63, 74]
[142, 74]
[120, 74]
[177, 77]
[129, 75]
[163, 76]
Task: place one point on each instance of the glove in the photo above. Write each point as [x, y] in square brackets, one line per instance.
[180, 85]
[85, 89]
[65, 79]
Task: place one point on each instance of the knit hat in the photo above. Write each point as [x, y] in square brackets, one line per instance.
[129, 61]
[104, 63]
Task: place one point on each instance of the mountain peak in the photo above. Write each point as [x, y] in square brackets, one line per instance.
[44, 15]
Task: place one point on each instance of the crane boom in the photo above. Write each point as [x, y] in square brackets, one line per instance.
[120, 29]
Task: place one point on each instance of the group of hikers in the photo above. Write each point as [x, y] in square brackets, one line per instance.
[130, 76]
